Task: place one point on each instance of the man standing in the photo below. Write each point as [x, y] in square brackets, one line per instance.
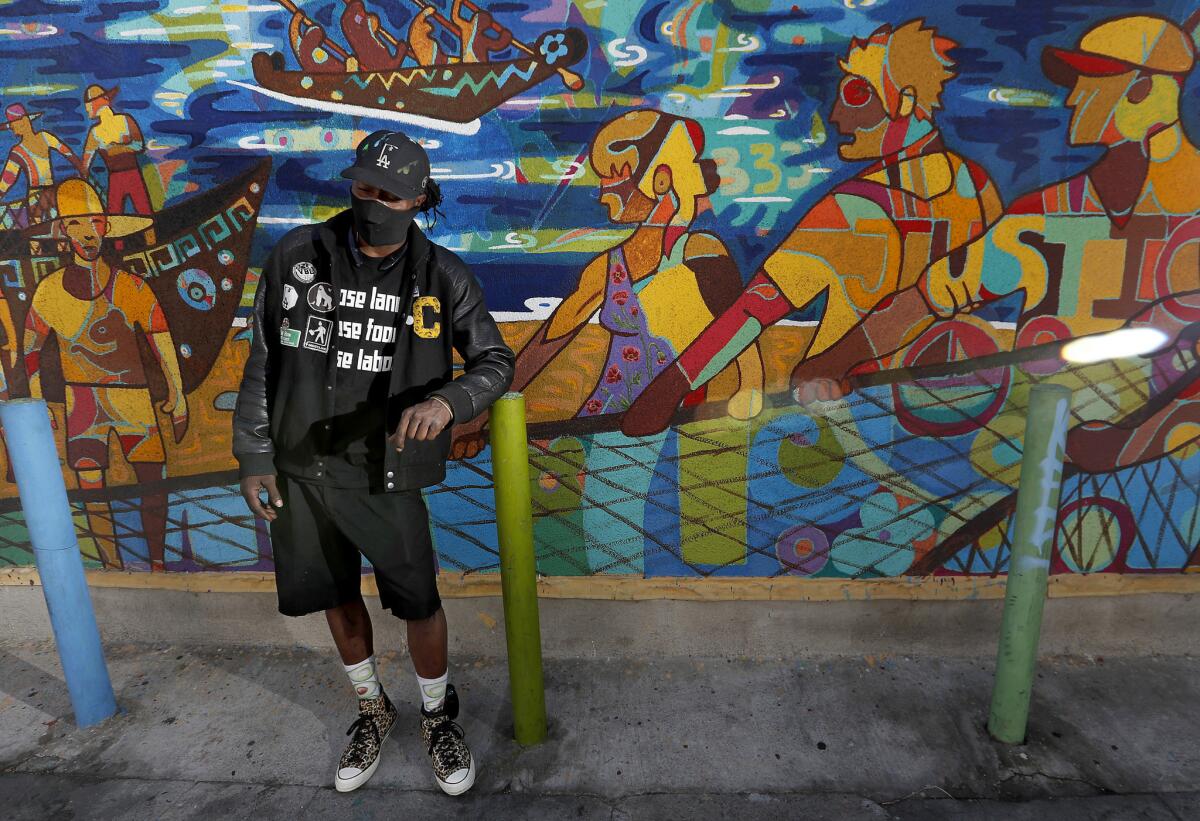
[870, 236]
[32, 156]
[344, 415]
[118, 140]
[97, 312]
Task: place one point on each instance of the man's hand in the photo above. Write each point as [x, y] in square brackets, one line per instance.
[422, 422]
[252, 489]
[177, 409]
[469, 439]
[820, 390]
[813, 382]
[651, 412]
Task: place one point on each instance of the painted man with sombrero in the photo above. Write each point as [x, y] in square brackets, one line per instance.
[118, 140]
[98, 312]
[32, 157]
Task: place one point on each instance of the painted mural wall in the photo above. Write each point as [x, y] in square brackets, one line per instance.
[780, 275]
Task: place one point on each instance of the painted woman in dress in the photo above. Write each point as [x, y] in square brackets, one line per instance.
[655, 291]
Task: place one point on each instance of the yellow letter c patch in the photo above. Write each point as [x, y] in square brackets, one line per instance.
[419, 327]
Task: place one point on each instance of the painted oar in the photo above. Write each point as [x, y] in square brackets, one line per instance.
[570, 79]
[288, 5]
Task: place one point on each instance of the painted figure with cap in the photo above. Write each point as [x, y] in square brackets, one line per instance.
[118, 141]
[1113, 246]
[33, 158]
[97, 312]
[344, 415]
[870, 236]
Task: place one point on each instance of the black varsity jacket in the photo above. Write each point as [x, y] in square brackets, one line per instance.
[286, 397]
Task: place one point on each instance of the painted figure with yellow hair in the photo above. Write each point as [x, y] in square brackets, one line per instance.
[655, 292]
[867, 238]
[1115, 245]
[97, 313]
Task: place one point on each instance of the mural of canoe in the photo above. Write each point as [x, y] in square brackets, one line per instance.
[458, 92]
[194, 258]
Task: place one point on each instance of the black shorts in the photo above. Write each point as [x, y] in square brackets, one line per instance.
[322, 533]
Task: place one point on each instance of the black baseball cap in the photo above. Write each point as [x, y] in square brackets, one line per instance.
[390, 161]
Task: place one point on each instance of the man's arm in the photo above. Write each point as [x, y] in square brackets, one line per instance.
[55, 144]
[251, 424]
[564, 324]
[8, 335]
[952, 284]
[90, 146]
[720, 286]
[37, 331]
[134, 132]
[487, 360]
[10, 174]
[8, 341]
[848, 265]
[158, 334]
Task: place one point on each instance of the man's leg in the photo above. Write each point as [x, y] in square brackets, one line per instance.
[100, 518]
[428, 642]
[154, 513]
[392, 531]
[316, 566]
[350, 626]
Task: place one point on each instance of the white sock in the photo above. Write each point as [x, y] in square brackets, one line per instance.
[433, 691]
[365, 678]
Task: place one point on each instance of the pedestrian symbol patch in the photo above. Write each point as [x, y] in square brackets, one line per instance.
[316, 334]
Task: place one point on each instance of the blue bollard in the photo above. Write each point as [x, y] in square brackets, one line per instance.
[55, 547]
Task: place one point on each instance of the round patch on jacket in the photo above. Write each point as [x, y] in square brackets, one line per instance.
[304, 272]
[320, 297]
[290, 297]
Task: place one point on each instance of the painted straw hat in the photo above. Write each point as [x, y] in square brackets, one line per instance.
[16, 112]
[77, 198]
[95, 93]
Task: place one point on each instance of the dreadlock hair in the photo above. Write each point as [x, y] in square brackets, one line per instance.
[433, 199]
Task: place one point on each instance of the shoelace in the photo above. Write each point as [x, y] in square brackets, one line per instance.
[363, 722]
[443, 740]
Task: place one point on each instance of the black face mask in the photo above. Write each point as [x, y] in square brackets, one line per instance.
[376, 224]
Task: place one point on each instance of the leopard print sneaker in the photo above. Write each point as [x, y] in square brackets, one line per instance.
[453, 766]
[376, 717]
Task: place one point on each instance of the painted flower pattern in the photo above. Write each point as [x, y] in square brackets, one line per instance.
[554, 47]
[635, 356]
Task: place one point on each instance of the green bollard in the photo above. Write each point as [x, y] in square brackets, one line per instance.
[518, 568]
[1033, 537]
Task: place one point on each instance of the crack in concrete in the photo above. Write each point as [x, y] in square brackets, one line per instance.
[1100, 789]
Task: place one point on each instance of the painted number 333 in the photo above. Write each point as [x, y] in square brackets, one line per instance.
[420, 327]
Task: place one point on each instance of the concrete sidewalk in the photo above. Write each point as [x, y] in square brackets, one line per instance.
[212, 733]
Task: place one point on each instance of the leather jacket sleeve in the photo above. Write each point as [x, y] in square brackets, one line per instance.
[487, 360]
[251, 423]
